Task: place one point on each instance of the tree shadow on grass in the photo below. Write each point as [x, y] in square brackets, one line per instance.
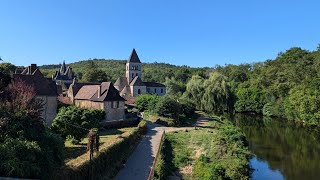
[110, 132]
[73, 152]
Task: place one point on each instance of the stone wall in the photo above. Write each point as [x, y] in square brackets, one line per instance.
[114, 110]
[49, 108]
[89, 104]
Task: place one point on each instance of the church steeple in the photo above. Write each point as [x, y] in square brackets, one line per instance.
[133, 66]
[134, 57]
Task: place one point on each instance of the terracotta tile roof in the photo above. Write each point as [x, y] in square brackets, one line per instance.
[87, 91]
[107, 93]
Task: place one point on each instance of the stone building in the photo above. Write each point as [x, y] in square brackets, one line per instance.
[100, 96]
[45, 90]
[64, 77]
[131, 85]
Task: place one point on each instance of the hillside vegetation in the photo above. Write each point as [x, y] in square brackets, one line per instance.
[286, 87]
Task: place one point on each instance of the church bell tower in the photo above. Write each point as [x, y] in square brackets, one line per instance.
[133, 66]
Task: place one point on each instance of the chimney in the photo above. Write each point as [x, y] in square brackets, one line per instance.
[33, 67]
[99, 91]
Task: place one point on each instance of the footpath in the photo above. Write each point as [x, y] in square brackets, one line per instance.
[139, 164]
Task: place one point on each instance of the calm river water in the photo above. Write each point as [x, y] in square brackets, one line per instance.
[281, 150]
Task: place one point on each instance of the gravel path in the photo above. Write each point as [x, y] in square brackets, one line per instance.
[139, 164]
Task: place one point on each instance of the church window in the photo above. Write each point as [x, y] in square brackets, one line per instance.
[148, 90]
[136, 74]
[161, 90]
[139, 91]
[132, 75]
[155, 90]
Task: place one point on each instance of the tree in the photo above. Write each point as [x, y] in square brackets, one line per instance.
[217, 94]
[195, 90]
[147, 102]
[76, 121]
[27, 148]
[7, 68]
[95, 75]
[168, 107]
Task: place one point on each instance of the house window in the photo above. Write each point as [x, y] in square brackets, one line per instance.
[138, 91]
[115, 104]
[161, 90]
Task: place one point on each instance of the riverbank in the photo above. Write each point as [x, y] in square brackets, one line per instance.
[214, 150]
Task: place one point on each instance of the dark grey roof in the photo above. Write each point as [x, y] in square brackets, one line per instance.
[34, 78]
[154, 84]
[107, 93]
[134, 57]
[137, 82]
[65, 73]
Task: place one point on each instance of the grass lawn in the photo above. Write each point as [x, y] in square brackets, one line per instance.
[184, 121]
[217, 151]
[109, 135]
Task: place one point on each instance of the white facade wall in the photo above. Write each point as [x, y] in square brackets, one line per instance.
[135, 90]
[161, 91]
[133, 70]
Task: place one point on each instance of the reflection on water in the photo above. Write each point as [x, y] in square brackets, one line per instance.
[282, 150]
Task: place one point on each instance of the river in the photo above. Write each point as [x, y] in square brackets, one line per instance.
[280, 150]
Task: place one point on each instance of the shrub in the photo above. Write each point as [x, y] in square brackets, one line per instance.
[168, 107]
[76, 121]
[147, 102]
[142, 126]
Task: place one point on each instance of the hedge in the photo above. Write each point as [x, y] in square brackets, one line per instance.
[106, 164]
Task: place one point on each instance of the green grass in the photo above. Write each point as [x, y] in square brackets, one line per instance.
[217, 151]
[75, 150]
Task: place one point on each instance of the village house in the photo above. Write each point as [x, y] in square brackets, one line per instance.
[99, 96]
[131, 85]
[45, 90]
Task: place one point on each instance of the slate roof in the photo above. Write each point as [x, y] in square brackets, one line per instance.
[154, 84]
[137, 82]
[65, 73]
[134, 57]
[108, 93]
[33, 77]
[126, 91]
[121, 83]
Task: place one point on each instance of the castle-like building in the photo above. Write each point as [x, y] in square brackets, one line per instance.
[64, 76]
[131, 85]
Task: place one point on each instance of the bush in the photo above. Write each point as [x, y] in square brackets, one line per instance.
[103, 166]
[143, 126]
[168, 107]
[147, 102]
[76, 121]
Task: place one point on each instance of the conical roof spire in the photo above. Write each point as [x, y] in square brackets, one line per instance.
[134, 57]
[63, 67]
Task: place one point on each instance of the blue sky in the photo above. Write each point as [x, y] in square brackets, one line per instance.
[182, 32]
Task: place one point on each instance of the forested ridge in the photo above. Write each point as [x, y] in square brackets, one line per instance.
[286, 87]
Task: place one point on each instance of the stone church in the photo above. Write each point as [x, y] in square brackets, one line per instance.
[131, 85]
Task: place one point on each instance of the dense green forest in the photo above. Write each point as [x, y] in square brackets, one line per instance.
[286, 87]
[157, 72]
